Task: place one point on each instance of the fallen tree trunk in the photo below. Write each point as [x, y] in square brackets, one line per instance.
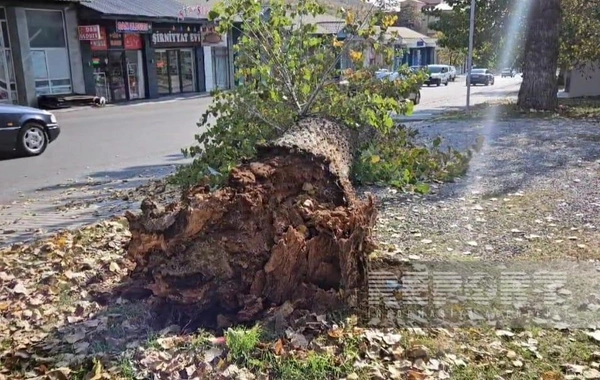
[287, 227]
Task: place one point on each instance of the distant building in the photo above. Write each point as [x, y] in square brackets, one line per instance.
[582, 82]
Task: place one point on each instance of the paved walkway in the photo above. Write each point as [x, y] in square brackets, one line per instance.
[69, 206]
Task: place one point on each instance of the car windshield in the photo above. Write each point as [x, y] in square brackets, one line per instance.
[434, 69]
[478, 71]
[507, 69]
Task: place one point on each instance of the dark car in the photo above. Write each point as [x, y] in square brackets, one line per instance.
[27, 130]
[482, 76]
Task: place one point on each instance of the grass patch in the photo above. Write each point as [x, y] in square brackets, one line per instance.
[580, 108]
[577, 108]
[241, 342]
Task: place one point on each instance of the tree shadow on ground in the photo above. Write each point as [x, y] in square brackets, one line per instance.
[515, 152]
[78, 204]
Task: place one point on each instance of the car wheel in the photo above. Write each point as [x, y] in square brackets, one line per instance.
[32, 139]
[445, 84]
[439, 84]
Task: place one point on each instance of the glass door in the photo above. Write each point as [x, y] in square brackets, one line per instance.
[133, 82]
[162, 72]
[175, 80]
[116, 77]
[188, 82]
[221, 67]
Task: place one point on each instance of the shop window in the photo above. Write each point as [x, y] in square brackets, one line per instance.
[46, 29]
[8, 87]
[49, 53]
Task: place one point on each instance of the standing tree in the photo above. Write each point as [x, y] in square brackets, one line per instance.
[539, 88]
[491, 20]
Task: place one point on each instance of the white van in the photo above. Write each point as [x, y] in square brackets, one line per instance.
[438, 75]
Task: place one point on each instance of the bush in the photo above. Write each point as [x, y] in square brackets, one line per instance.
[287, 71]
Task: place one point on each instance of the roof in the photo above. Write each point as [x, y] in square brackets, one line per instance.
[443, 6]
[152, 8]
[409, 36]
[326, 24]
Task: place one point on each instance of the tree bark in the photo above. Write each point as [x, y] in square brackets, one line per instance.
[539, 89]
[287, 227]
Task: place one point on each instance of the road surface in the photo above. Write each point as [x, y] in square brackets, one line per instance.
[102, 149]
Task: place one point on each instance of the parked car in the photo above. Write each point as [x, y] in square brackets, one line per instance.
[508, 72]
[438, 75]
[452, 73]
[482, 76]
[26, 130]
[414, 97]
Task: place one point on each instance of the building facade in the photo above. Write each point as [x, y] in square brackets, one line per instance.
[151, 54]
[39, 52]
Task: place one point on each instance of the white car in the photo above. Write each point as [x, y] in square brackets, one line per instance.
[438, 75]
[393, 75]
[452, 73]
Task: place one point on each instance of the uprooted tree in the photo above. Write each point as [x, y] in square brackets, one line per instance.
[270, 214]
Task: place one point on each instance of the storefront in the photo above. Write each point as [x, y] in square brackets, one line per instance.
[176, 56]
[217, 59]
[39, 51]
[116, 58]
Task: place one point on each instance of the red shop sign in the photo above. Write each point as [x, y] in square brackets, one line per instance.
[88, 32]
[100, 44]
[132, 41]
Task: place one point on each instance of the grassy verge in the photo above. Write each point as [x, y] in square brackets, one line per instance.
[581, 108]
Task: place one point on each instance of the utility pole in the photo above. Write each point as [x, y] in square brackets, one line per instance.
[470, 55]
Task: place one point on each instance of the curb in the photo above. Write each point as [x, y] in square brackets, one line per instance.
[143, 102]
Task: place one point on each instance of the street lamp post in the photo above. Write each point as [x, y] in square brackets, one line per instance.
[470, 54]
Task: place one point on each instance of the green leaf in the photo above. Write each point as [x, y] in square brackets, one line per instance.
[422, 188]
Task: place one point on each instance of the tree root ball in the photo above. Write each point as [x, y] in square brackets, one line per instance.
[287, 227]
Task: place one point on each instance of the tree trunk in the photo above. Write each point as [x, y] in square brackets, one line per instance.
[287, 227]
[539, 89]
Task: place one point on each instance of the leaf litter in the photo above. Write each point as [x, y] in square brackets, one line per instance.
[54, 326]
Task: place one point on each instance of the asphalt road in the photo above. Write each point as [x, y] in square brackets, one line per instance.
[436, 99]
[128, 141]
[116, 142]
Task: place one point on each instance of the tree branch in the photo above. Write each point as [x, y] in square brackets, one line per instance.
[313, 96]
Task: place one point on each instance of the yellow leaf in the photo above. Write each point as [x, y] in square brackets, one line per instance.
[356, 56]
[389, 20]
[350, 18]
[375, 159]
[337, 43]
[97, 370]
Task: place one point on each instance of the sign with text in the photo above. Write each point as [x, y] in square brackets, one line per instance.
[133, 27]
[132, 41]
[210, 37]
[115, 40]
[176, 37]
[199, 11]
[100, 44]
[551, 294]
[88, 32]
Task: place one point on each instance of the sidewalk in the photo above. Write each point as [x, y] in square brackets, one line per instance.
[70, 206]
[139, 102]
